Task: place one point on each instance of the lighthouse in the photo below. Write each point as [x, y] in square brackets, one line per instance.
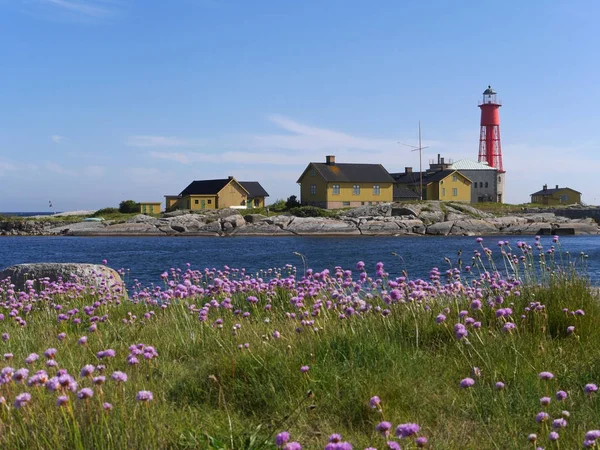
[490, 148]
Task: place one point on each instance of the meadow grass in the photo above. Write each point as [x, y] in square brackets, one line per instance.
[243, 357]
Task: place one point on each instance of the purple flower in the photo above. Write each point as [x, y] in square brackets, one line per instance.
[144, 396]
[32, 358]
[545, 401]
[20, 375]
[542, 417]
[99, 380]
[335, 437]
[119, 376]
[374, 402]
[499, 385]
[440, 318]
[560, 395]
[107, 406]
[553, 436]
[110, 353]
[62, 400]
[546, 375]
[592, 435]
[384, 428]
[304, 369]
[559, 423]
[360, 265]
[82, 340]
[87, 371]
[282, 438]
[421, 441]
[466, 382]
[571, 329]
[62, 336]
[590, 388]
[460, 331]
[393, 445]
[22, 400]
[532, 437]
[405, 430]
[292, 446]
[85, 393]
[50, 353]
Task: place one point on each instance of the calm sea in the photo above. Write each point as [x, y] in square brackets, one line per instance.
[147, 257]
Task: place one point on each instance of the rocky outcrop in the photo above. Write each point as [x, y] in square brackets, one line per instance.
[87, 274]
[428, 218]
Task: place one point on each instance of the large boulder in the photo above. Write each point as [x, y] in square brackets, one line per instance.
[378, 227]
[440, 228]
[88, 274]
[403, 211]
[261, 229]
[473, 227]
[188, 223]
[322, 226]
[236, 221]
[254, 218]
[382, 210]
[142, 218]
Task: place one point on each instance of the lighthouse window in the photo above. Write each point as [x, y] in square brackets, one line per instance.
[499, 179]
[486, 184]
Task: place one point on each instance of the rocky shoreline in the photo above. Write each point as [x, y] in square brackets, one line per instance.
[429, 218]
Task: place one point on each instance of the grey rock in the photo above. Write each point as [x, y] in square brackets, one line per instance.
[429, 217]
[227, 227]
[577, 227]
[471, 210]
[211, 227]
[261, 229]
[129, 228]
[89, 274]
[188, 223]
[78, 228]
[383, 210]
[142, 218]
[281, 221]
[507, 221]
[235, 220]
[378, 227]
[452, 215]
[317, 225]
[403, 211]
[472, 227]
[177, 213]
[540, 217]
[440, 228]
[254, 218]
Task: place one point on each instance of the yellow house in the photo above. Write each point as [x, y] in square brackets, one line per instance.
[331, 185]
[216, 194]
[447, 185]
[556, 196]
[150, 207]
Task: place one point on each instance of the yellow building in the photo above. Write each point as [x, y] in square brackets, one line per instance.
[216, 194]
[331, 185]
[447, 185]
[150, 207]
[556, 196]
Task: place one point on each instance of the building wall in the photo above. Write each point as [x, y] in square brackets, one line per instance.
[481, 178]
[232, 194]
[171, 202]
[256, 202]
[558, 197]
[198, 202]
[150, 207]
[313, 178]
[325, 198]
[444, 189]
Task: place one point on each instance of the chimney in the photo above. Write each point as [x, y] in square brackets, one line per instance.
[545, 187]
[230, 177]
[330, 159]
[438, 158]
[557, 186]
[442, 161]
[408, 170]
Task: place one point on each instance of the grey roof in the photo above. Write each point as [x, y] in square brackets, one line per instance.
[466, 164]
[352, 173]
[407, 178]
[254, 189]
[489, 91]
[552, 191]
[438, 176]
[401, 192]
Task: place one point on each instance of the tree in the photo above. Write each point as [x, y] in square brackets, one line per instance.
[129, 206]
[292, 202]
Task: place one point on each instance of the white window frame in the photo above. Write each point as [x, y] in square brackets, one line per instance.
[376, 189]
[356, 189]
[313, 189]
[454, 192]
[335, 189]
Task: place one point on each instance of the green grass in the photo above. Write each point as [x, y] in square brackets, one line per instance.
[210, 394]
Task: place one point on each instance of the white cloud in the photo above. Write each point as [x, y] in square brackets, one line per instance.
[94, 171]
[58, 169]
[6, 166]
[57, 139]
[161, 141]
[92, 8]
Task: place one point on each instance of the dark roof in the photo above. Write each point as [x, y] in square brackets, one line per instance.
[552, 191]
[254, 189]
[205, 187]
[401, 192]
[407, 178]
[352, 173]
[438, 176]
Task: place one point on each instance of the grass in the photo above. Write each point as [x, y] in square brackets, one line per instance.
[226, 379]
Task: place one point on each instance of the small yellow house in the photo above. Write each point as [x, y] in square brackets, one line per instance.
[556, 196]
[331, 185]
[447, 185]
[150, 207]
[216, 194]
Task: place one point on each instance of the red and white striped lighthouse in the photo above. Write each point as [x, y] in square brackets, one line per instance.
[490, 147]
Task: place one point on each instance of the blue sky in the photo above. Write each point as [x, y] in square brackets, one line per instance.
[105, 100]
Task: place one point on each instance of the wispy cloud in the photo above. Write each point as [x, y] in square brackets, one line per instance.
[57, 139]
[162, 141]
[6, 166]
[92, 171]
[91, 8]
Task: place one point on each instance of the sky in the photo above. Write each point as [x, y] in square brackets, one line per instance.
[107, 100]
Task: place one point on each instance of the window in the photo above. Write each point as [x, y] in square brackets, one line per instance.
[481, 184]
[195, 202]
[443, 192]
[313, 172]
[336, 189]
[256, 202]
[454, 192]
[376, 189]
[209, 201]
[499, 179]
[362, 203]
[345, 203]
[486, 184]
[564, 198]
[454, 178]
[356, 189]
[313, 189]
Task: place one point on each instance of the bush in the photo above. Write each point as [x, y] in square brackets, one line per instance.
[278, 206]
[105, 212]
[311, 211]
[292, 202]
[129, 206]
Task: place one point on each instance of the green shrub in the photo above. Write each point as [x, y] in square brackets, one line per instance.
[106, 212]
[311, 211]
[129, 206]
[278, 206]
[292, 202]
